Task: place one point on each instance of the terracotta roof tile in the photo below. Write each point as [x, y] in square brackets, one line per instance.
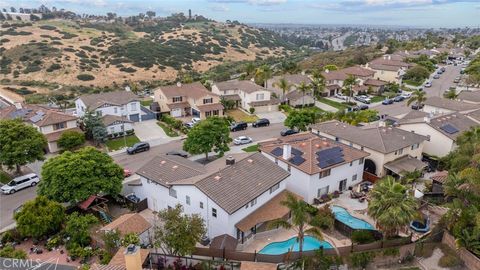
[128, 223]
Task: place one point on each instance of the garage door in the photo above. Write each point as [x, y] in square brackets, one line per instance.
[176, 112]
[135, 117]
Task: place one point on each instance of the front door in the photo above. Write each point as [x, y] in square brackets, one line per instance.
[342, 185]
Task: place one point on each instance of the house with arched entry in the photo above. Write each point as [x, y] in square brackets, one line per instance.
[393, 151]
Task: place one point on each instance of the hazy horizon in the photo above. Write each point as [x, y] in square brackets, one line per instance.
[387, 13]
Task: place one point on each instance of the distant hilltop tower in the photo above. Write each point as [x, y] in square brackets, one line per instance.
[189, 14]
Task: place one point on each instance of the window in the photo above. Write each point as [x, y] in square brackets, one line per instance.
[172, 192]
[276, 161]
[207, 100]
[399, 152]
[260, 96]
[337, 139]
[322, 191]
[361, 148]
[351, 163]
[253, 202]
[215, 112]
[354, 178]
[177, 99]
[351, 144]
[214, 212]
[187, 200]
[361, 161]
[324, 174]
[133, 106]
[415, 146]
[115, 110]
[112, 129]
[275, 187]
[99, 113]
[207, 114]
[342, 185]
[288, 168]
[201, 205]
[59, 126]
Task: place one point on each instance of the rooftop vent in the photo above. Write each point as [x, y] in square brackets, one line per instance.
[179, 84]
[217, 177]
[230, 160]
[250, 160]
[175, 167]
[163, 162]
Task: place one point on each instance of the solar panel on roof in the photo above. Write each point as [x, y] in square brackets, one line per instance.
[330, 156]
[36, 118]
[449, 128]
[19, 113]
[329, 162]
[277, 152]
[296, 160]
[40, 113]
[329, 150]
[296, 152]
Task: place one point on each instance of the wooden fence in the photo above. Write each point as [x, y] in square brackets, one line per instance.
[469, 259]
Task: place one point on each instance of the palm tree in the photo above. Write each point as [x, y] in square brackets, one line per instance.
[348, 85]
[263, 73]
[303, 215]
[451, 94]
[411, 177]
[318, 83]
[304, 88]
[419, 97]
[284, 85]
[391, 206]
[249, 68]
[469, 239]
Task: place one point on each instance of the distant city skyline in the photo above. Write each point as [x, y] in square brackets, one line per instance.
[413, 13]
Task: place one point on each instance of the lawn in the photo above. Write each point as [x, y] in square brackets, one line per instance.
[240, 116]
[332, 103]
[146, 102]
[251, 148]
[118, 143]
[4, 177]
[168, 130]
[413, 83]
[377, 99]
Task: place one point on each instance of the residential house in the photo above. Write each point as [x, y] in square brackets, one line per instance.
[50, 122]
[131, 223]
[376, 86]
[123, 104]
[441, 130]
[116, 124]
[359, 73]
[293, 97]
[388, 68]
[191, 99]
[249, 95]
[334, 81]
[392, 151]
[318, 165]
[234, 197]
[469, 97]
[438, 105]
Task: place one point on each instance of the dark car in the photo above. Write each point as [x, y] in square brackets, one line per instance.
[443, 69]
[363, 107]
[138, 147]
[238, 126]
[399, 98]
[179, 153]
[287, 132]
[263, 122]
[387, 101]
[417, 106]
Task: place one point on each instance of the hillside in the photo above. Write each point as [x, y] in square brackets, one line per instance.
[70, 52]
[348, 57]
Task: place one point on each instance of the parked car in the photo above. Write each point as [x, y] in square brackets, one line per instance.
[263, 122]
[189, 125]
[21, 182]
[442, 69]
[126, 173]
[462, 71]
[436, 76]
[242, 140]
[399, 98]
[195, 120]
[363, 99]
[138, 147]
[179, 153]
[287, 132]
[238, 126]
[340, 96]
[457, 80]
[387, 101]
[417, 106]
[439, 72]
[363, 107]
[428, 84]
[406, 94]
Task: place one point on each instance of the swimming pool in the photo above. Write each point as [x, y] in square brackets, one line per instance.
[309, 243]
[342, 215]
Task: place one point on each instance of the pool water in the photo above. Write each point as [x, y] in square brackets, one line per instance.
[342, 215]
[309, 243]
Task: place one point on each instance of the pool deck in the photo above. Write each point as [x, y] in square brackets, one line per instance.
[354, 207]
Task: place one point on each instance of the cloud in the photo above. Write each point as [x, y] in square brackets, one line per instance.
[220, 8]
[380, 5]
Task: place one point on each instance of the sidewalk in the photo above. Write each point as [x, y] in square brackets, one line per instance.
[325, 107]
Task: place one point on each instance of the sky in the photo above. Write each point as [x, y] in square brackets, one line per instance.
[417, 13]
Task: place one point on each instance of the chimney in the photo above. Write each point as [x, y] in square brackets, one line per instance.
[18, 105]
[287, 151]
[179, 84]
[230, 160]
[384, 57]
[389, 57]
[426, 119]
[133, 259]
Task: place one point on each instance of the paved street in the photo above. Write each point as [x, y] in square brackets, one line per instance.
[8, 203]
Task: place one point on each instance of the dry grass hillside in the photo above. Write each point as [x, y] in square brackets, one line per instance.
[74, 53]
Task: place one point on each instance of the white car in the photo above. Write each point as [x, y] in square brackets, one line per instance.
[406, 94]
[242, 140]
[21, 182]
[340, 96]
[195, 120]
[428, 84]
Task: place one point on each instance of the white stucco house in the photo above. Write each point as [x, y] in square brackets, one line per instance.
[116, 124]
[118, 103]
[318, 166]
[247, 94]
[392, 150]
[438, 105]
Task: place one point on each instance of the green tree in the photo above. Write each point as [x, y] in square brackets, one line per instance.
[112, 241]
[263, 74]
[178, 233]
[330, 68]
[10, 252]
[71, 140]
[130, 239]
[284, 86]
[318, 83]
[348, 84]
[78, 226]
[419, 97]
[20, 144]
[300, 119]
[417, 73]
[250, 68]
[212, 134]
[304, 220]
[74, 176]
[450, 94]
[39, 217]
[469, 239]
[391, 206]
[93, 126]
[304, 89]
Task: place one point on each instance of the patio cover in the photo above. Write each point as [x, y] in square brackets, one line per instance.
[224, 241]
[405, 164]
[271, 210]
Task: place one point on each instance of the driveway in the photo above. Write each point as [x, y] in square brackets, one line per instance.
[274, 117]
[149, 131]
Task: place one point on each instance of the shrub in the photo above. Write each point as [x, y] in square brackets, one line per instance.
[252, 110]
[85, 77]
[361, 259]
[54, 242]
[70, 140]
[11, 252]
[362, 237]
[130, 238]
[449, 261]
[7, 237]
[54, 67]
